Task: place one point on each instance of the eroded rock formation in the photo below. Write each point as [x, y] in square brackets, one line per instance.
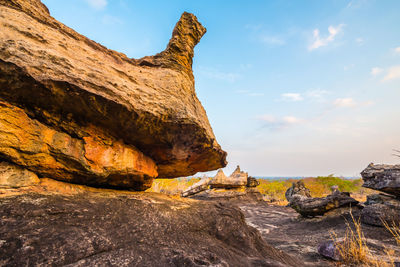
[238, 186]
[237, 179]
[76, 111]
[300, 200]
[298, 188]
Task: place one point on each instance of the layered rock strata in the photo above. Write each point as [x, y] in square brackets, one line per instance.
[91, 115]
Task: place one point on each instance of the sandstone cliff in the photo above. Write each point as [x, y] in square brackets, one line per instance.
[94, 116]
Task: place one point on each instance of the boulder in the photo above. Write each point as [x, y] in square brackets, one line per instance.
[12, 176]
[94, 116]
[311, 207]
[298, 188]
[329, 250]
[379, 208]
[252, 182]
[381, 177]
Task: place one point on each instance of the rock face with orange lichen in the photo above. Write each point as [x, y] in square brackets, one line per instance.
[73, 110]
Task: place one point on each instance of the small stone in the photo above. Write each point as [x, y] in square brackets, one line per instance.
[328, 250]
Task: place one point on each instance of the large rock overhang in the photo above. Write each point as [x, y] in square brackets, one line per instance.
[67, 81]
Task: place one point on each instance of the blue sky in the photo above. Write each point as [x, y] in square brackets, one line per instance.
[291, 88]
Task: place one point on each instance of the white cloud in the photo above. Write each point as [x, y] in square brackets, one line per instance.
[347, 67]
[256, 94]
[320, 41]
[219, 75]
[294, 97]
[98, 4]
[360, 41]
[392, 73]
[375, 71]
[273, 123]
[356, 4]
[111, 20]
[291, 120]
[271, 40]
[249, 93]
[267, 118]
[317, 94]
[344, 102]
[397, 50]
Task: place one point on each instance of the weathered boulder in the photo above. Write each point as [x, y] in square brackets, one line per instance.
[252, 182]
[329, 250]
[85, 95]
[310, 207]
[298, 188]
[12, 176]
[300, 200]
[71, 225]
[379, 208]
[385, 178]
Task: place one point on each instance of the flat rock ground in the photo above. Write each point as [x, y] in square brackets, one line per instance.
[284, 229]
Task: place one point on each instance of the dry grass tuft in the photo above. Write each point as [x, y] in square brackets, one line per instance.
[354, 251]
[394, 230]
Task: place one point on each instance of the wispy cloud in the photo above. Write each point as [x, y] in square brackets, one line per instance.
[111, 20]
[313, 95]
[397, 50]
[98, 4]
[317, 94]
[375, 71]
[216, 74]
[392, 73]
[279, 123]
[293, 97]
[350, 103]
[348, 67]
[360, 41]
[356, 4]
[249, 93]
[319, 41]
[344, 102]
[271, 40]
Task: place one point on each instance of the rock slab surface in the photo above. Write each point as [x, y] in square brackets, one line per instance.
[82, 226]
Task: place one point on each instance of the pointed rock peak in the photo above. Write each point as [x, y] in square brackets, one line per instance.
[220, 173]
[186, 35]
[237, 170]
